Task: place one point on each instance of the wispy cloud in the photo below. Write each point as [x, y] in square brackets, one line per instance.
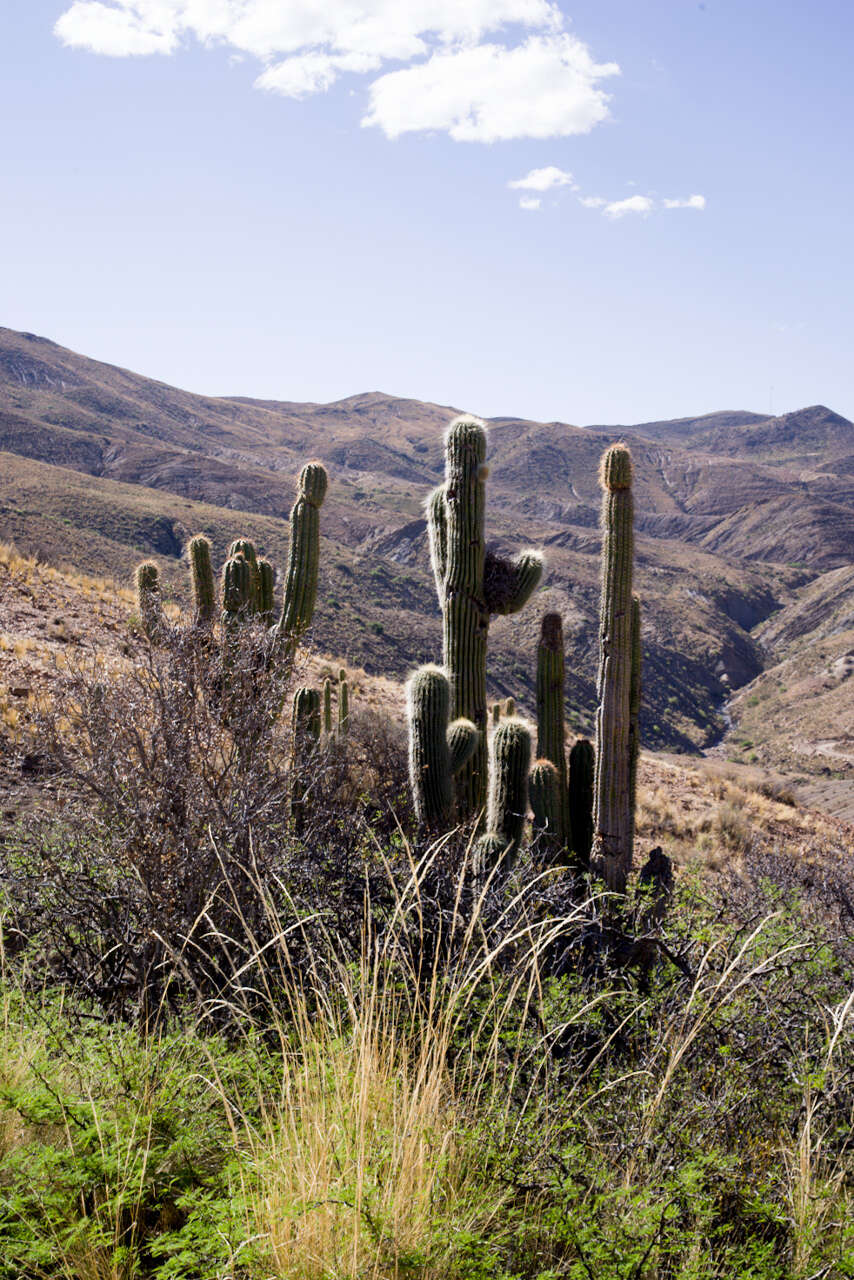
[543, 179]
[692, 202]
[633, 204]
[530, 203]
[460, 75]
[643, 205]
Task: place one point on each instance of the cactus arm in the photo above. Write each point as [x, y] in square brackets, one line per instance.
[437, 537]
[463, 740]
[509, 584]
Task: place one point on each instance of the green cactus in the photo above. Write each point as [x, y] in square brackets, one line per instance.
[266, 592]
[327, 708]
[510, 763]
[343, 704]
[236, 591]
[612, 843]
[437, 749]
[202, 580]
[551, 729]
[582, 767]
[306, 715]
[509, 708]
[300, 592]
[496, 712]
[243, 547]
[148, 600]
[546, 794]
[471, 584]
[634, 712]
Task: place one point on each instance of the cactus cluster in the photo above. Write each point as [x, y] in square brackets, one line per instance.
[472, 585]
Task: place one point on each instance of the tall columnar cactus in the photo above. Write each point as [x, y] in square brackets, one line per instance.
[546, 795]
[148, 600]
[471, 584]
[612, 842]
[551, 729]
[303, 556]
[634, 711]
[510, 763]
[582, 767]
[202, 580]
[437, 749]
[343, 704]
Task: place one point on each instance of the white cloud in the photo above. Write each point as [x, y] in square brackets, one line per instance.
[530, 202]
[455, 80]
[544, 88]
[693, 202]
[543, 179]
[118, 32]
[634, 204]
[592, 202]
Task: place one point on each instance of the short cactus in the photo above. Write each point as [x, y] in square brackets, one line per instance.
[471, 585]
[243, 547]
[202, 580]
[582, 767]
[612, 844]
[437, 749]
[148, 600]
[306, 724]
[327, 708]
[237, 584]
[266, 592]
[343, 704]
[546, 794]
[510, 762]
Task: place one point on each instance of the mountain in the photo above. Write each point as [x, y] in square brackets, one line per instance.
[739, 517]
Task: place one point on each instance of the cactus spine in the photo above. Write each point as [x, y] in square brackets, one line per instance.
[612, 844]
[582, 766]
[510, 762]
[437, 749]
[471, 586]
[148, 600]
[303, 556]
[551, 729]
[202, 580]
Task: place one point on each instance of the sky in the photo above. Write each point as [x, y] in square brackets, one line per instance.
[609, 211]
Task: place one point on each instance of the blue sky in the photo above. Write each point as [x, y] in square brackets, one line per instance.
[303, 199]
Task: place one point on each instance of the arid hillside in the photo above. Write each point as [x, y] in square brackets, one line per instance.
[745, 525]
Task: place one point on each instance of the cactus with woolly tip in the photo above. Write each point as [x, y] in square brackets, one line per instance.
[300, 591]
[471, 585]
[510, 763]
[582, 767]
[202, 580]
[612, 842]
[437, 749]
[148, 600]
[551, 728]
